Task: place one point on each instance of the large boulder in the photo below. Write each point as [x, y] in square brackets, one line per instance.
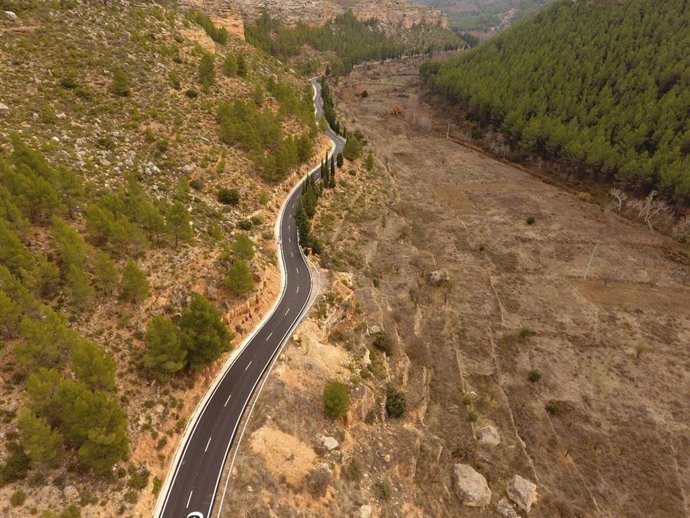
[10, 16]
[330, 443]
[365, 511]
[488, 435]
[522, 492]
[505, 509]
[471, 486]
[438, 277]
[4, 109]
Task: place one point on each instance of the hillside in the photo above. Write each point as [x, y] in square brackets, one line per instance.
[345, 41]
[485, 16]
[144, 153]
[604, 87]
[393, 12]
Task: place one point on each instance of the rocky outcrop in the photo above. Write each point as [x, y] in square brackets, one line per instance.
[522, 492]
[470, 486]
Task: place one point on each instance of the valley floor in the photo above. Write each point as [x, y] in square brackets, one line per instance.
[598, 305]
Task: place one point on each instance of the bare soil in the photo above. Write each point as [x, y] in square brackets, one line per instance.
[599, 305]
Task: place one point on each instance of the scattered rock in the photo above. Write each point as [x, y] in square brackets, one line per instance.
[71, 494]
[438, 277]
[505, 510]
[250, 489]
[522, 492]
[365, 511]
[471, 486]
[488, 435]
[189, 168]
[4, 109]
[11, 17]
[329, 443]
[374, 329]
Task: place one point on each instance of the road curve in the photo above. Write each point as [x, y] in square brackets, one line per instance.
[193, 481]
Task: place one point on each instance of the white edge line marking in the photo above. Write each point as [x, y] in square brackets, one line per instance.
[207, 444]
[269, 367]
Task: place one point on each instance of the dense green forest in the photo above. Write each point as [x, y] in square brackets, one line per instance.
[351, 40]
[603, 86]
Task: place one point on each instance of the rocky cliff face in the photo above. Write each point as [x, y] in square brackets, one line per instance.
[316, 12]
[224, 13]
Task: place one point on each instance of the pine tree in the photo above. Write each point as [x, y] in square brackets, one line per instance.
[303, 225]
[42, 443]
[202, 332]
[134, 287]
[10, 315]
[164, 354]
[240, 279]
[243, 247]
[340, 160]
[331, 177]
[230, 66]
[369, 164]
[46, 340]
[92, 365]
[104, 272]
[179, 223]
[79, 289]
[242, 68]
[120, 83]
[207, 71]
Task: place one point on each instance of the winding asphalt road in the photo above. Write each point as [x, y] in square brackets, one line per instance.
[196, 476]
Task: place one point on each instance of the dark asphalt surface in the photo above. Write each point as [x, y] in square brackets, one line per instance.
[197, 475]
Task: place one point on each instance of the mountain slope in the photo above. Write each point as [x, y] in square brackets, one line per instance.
[144, 152]
[605, 86]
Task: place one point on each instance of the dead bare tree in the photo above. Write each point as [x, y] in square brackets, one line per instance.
[620, 198]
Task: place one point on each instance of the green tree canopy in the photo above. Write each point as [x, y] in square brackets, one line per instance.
[336, 399]
[164, 354]
[240, 279]
[93, 366]
[202, 332]
[42, 443]
[133, 287]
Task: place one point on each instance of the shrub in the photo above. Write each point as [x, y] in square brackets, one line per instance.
[535, 375]
[17, 464]
[228, 196]
[120, 83]
[18, 498]
[191, 93]
[336, 399]
[382, 342]
[526, 332]
[473, 416]
[139, 480]
[382, 490]
[531, 220]
[318, 481]
[245, 224]
[554, 408]
[396, 403]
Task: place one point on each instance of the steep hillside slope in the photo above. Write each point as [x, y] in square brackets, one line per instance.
[144, 153]
[604, 86]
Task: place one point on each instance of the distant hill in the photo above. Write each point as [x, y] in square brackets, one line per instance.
[485, 15]
[604, 86]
